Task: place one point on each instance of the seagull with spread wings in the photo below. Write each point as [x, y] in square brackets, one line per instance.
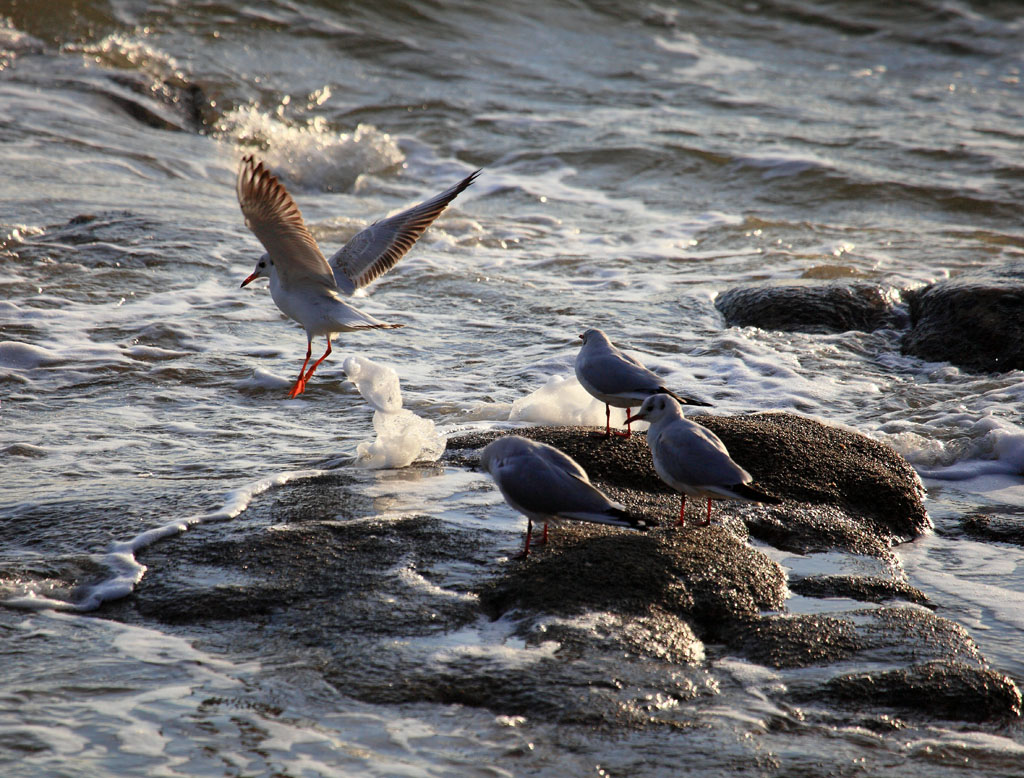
[304, 285]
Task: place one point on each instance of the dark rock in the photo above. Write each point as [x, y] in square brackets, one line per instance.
[942, 689]
[903, 635]
[818, 528]
[795, 641]
[997, 528]
[312, 554]
[567, 688]
[858, 588]
[895, 635]
[801, 305]
[975, 321]
[705, 575]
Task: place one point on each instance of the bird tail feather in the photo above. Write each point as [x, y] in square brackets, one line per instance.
[753, 494]
[616, 517]
[683, 399]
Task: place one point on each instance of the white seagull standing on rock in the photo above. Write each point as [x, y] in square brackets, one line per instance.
[544, 484]
[692, 459]
[617, 379]
[304, 285]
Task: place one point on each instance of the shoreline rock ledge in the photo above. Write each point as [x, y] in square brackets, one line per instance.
[604, 627]
[678, 594]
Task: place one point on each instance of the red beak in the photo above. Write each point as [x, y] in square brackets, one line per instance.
[634, 417]
[251, 278]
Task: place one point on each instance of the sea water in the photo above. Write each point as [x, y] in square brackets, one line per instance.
[637, 160]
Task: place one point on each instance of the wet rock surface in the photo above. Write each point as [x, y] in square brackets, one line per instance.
[804, 305]
[706, 576]
[975, 321]
[941, 688]
[863, 588]
[602, 627]
[995, 527]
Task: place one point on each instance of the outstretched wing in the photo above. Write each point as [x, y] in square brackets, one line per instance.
[375, 250]
[272, 215]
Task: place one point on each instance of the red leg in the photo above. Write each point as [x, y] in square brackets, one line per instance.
[682, 511]
[707, 521]
[544, 537]
[300, 383]
[608, 412]
[629, 427]
[317, 363]
[526, 549]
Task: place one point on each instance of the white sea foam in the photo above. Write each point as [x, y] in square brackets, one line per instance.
[378, 384]
[988, 445]
[263, 379]
[402, 436]
[563, 401]
[494, 642]
[310, 154]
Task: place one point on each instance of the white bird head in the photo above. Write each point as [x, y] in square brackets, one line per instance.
[262, 270]
[657, 407]
[594, 337]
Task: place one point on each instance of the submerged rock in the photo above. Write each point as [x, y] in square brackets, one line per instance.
[861, 588]
[944, 689]
[1001, 529]
[975, 321]
[802, 305]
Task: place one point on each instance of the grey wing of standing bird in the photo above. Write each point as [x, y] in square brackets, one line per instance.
[544, 484]
[617, 379]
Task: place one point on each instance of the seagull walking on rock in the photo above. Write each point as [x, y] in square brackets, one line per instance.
[615, 378]
[692, 459]
[544, 484]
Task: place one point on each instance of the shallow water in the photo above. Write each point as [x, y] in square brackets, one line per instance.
[637, 160]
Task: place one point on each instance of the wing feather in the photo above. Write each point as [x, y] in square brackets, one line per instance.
[272, 215]
[375, 250]
[694, 455]
[613, 374]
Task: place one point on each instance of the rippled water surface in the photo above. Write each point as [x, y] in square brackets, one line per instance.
[637, 160]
